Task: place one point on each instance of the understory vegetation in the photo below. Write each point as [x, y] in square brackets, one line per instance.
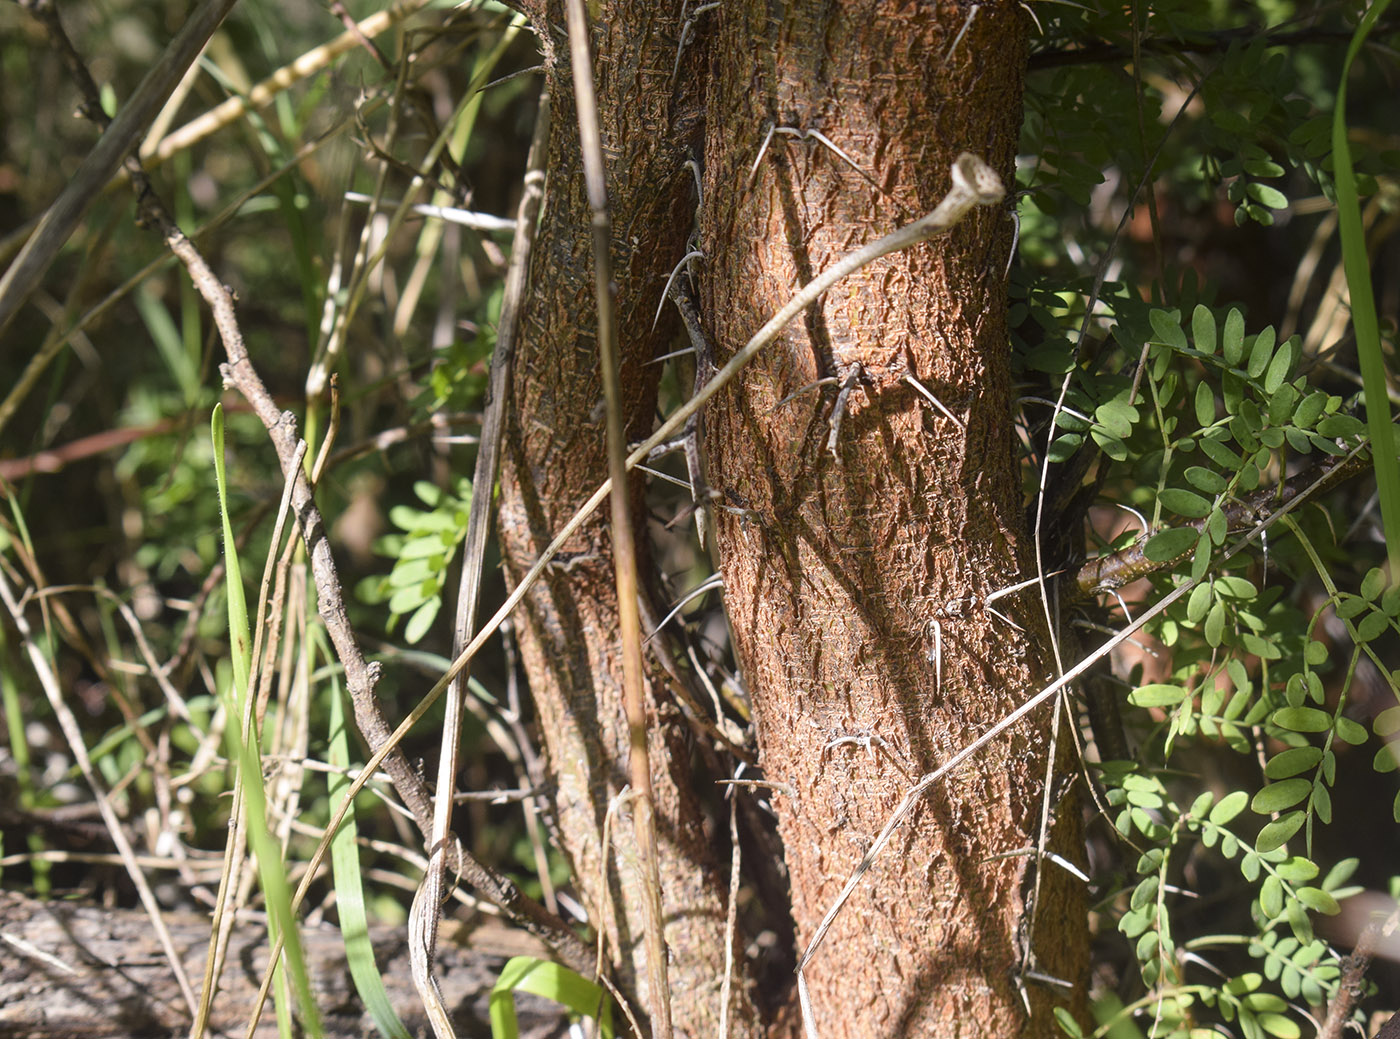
[1203, 301]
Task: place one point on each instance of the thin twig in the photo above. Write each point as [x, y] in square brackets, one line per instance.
[1354, 973]
[262, 94]
[473, 566]
[731, 920]
[73, 734]
[623, 538]
[118, 139]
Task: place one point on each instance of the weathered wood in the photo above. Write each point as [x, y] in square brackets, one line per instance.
[78, 971]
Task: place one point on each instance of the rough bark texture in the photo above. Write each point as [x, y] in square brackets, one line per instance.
[836, 567]
[72, 971]
[555, 457]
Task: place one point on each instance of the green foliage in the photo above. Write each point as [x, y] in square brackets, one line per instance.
[1202, 421]
[421, 555]
[349, 890]
[1357, 265]
[1149, 372]
[552, 981]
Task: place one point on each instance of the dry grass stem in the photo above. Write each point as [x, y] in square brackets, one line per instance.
[427, 908]
[73, 734]
[623, 538]
[263, 93]
[115, 146]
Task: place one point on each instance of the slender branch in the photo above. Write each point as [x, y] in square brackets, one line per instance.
[263, 93]
[623, 540]
[118, 140]
[427, 907]
[1353, 974]
[1127, 565]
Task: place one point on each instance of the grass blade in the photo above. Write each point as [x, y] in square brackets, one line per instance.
[552, 981]
[349, 893]
[1363, 307]
[243, 747]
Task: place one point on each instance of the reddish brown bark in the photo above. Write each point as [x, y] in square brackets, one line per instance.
[555, 457]
[836, 567]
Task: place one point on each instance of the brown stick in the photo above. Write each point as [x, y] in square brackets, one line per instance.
[624, 544]
[118, 139]
[1353, 973]
[1123, 567]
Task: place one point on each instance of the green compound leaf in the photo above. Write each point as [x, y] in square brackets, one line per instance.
[1277, 796]
[1221, 455]
[1261, 353]
[1352, 732]
[1198, 603]
[1297, 870]
[1385, 759]
[1185, 503]
[1157, 696]
[1167, 325]
[1302, 719]
[1278, 371]
[1167, 545]
[1279, 1026]
[1291, 762]
[1318, 900]
[1371, 626]
[1229, 806]
[1276, 833]
[1203, 332]
[1234, 337]
[1267, 196]
[1207, 480]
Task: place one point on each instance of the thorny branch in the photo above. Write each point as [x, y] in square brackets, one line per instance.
[361, 676]
[1349, 986]
[1120, 568]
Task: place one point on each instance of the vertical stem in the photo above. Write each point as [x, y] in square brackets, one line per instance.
[624, 548]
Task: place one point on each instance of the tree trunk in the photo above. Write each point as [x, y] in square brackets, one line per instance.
[837, 560]
[554, 458]
[848, 557]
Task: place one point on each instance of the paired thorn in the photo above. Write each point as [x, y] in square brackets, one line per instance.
[706, 586]
[803, 135]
